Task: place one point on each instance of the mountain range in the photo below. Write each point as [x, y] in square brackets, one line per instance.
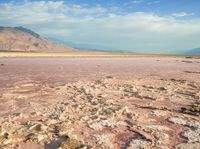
[21, 39]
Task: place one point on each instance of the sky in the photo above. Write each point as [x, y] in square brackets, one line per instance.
[141, 26]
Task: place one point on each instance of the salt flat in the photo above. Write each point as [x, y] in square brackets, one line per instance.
[99, 102]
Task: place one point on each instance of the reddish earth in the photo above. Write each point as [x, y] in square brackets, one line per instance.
[64, 70]
[25, 40]
[99, 103]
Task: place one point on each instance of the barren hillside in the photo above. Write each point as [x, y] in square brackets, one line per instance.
[25, 40]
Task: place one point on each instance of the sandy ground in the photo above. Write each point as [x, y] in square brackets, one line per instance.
[84, 53]
[103, 103]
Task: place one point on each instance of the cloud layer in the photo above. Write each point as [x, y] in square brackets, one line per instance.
[106, 27]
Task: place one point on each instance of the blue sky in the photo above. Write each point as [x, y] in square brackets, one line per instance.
[144, 26]
[162, 7]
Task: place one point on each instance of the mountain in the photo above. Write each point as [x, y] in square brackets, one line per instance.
[193, 52]
[24, 40]
[87, 47]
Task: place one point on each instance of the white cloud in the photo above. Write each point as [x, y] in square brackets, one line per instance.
[181, 14]
[137, 1]
[138, 31]
[153, 2]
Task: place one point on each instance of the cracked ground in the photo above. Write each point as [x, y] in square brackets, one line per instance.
[100, 103]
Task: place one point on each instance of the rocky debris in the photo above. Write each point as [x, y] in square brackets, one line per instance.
[37, 127]
[108, 113]
[162, 88]
[72, 144]
[188, 146]
[191, 132]
[104, 140]
[190, 123]
[192, 135]
[103, 123]
[193, 109]
[110, 77]
[187, 61]
[158, 137]
[196, 72]
[139, 143]
[177, 120]
[159, 112]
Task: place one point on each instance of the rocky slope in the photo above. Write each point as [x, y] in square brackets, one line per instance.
[25, 40]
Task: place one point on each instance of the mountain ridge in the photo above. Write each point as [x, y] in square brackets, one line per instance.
[25, 40]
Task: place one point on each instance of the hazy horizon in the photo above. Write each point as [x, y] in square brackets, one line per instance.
[141, 26]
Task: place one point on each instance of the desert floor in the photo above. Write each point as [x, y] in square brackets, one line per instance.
[115, 103]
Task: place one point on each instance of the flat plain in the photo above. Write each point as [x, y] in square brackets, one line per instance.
[115, 102]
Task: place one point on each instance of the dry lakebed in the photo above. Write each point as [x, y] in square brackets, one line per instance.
[99, 103]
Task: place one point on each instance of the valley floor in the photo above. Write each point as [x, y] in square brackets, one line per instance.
[99, 103]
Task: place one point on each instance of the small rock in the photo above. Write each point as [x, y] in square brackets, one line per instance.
[17, 114]
[71, 144]
[192, 135]
[105, 140]
[188, 146]
[104, 123]
[109, 77]
[41, 137]
[159, 113]
[139, 143]
[177, 120]
[37, 127]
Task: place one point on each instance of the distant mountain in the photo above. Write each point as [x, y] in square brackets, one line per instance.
[25, 40]
[88, 47]
[193, 52]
